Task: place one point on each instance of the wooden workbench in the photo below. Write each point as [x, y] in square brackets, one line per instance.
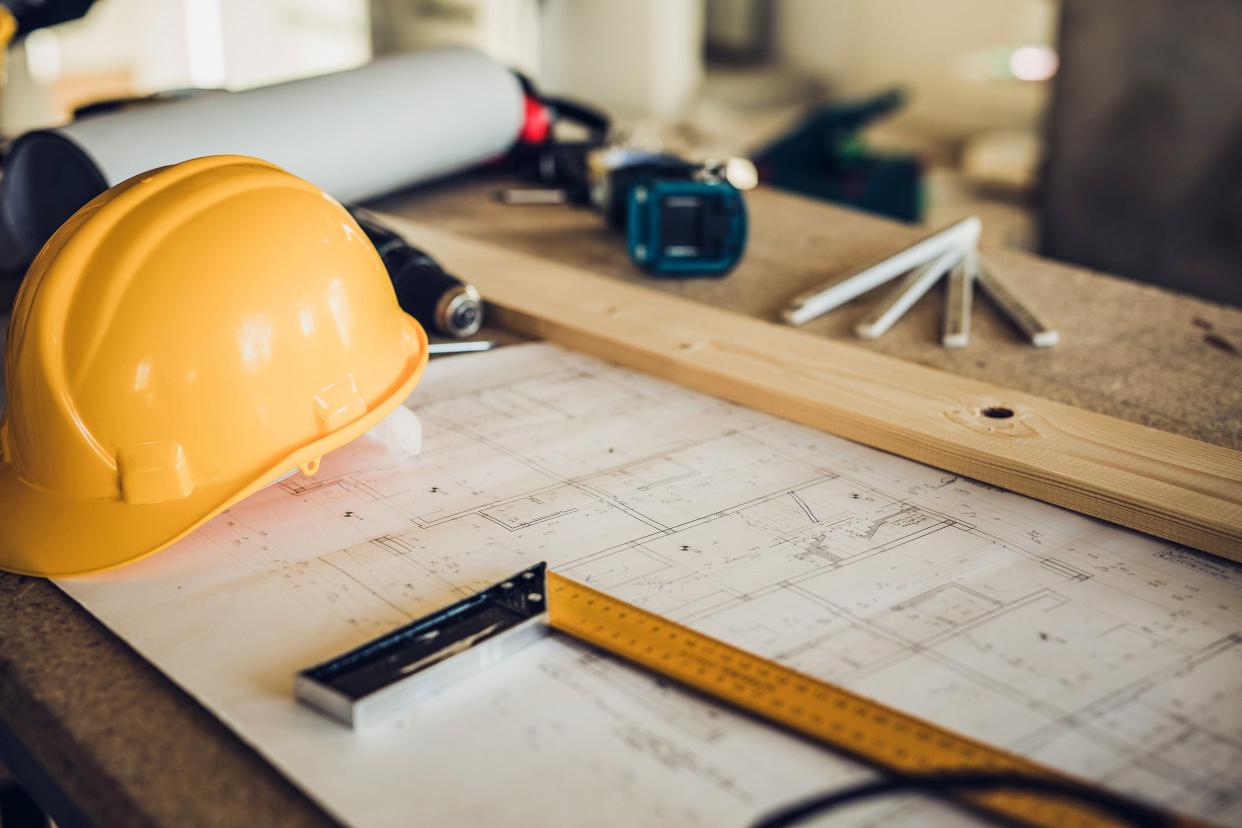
[100, 737]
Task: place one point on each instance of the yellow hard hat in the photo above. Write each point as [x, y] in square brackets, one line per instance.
[184, 339]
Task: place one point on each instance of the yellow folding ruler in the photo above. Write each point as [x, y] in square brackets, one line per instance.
[388, 674]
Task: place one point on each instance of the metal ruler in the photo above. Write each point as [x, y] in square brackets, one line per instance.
[406, 664]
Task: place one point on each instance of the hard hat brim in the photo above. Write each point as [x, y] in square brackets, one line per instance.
[49, 535]
[44, 534]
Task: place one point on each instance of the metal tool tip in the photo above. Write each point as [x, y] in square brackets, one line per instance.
[1045, 339]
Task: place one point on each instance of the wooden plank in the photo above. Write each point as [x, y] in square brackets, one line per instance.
[1170, 486]
[1163, 359]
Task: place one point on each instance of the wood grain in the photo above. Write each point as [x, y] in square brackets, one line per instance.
[1174, 487]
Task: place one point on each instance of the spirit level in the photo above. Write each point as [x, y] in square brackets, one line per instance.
[387, 675]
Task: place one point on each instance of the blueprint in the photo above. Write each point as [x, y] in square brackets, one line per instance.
[1111, 655]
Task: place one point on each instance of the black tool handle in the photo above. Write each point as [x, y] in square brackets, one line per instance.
[437, 299]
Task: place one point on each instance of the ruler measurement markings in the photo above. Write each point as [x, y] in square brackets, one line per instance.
[838, 718]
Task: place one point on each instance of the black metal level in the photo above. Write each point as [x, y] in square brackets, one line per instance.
[388, 673]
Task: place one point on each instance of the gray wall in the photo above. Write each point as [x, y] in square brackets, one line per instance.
[1144, 168]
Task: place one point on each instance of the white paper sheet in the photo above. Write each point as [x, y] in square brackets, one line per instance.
[1106, 653]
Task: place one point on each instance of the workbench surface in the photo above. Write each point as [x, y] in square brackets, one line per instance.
[100, 737]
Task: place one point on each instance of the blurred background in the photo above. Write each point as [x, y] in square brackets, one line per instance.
[1107, 133]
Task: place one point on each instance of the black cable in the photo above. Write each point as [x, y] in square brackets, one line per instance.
[585, 115]
[943, 784]
[590, 117]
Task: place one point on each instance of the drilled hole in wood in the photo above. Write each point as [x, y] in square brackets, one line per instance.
[997, 412]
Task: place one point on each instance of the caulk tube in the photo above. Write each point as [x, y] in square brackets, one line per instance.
[358, 134]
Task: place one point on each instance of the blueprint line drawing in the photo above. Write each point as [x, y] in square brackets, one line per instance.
[1111, 655]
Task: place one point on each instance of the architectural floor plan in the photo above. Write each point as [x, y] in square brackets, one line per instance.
[1109, 654]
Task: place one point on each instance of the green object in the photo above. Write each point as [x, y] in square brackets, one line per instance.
[825, 156]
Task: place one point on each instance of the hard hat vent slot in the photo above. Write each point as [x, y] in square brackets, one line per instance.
[153, 472]
[339, 404]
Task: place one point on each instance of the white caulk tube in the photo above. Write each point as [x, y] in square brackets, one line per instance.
[358, 134]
